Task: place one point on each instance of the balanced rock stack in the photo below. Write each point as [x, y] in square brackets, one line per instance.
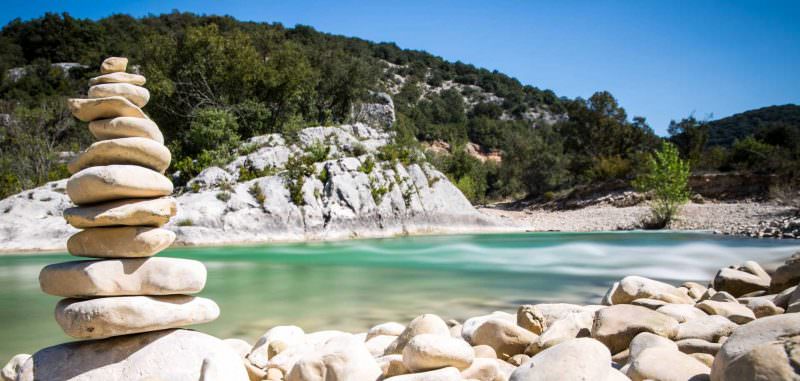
[122, 199]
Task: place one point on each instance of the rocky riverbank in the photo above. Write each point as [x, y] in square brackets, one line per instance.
[744, 324]
[748, 218]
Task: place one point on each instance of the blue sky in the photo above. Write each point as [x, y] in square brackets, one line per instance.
[662, 59]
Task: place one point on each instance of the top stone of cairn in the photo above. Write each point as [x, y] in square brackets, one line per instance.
[114, 65]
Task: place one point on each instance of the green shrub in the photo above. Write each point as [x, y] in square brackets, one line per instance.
[257, 193]
[377, 191]
[186, 222]
[195, 187]
[396, 153]
[297, 169]
[367, 166]
[666, 178]
[223, 196]
[211, 129]
[317, 152]
[324, 175]
[248, 171]
[358, 149]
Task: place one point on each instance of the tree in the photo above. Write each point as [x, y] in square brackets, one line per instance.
[667, 179]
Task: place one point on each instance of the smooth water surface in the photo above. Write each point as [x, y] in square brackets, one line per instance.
[351, 285]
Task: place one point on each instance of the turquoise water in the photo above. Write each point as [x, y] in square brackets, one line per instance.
[351, 285]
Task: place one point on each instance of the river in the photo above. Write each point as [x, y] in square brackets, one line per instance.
[350, 285]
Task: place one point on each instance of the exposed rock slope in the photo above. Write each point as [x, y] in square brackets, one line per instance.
[351, 193]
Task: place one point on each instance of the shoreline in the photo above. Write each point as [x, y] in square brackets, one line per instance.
[710, 218]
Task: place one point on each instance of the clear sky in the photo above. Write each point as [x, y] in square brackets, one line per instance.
[662, 59]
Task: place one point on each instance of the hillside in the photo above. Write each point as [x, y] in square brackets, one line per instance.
[216, 82]
[723, 132]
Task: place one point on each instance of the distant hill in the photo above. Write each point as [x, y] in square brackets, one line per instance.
[725, 131]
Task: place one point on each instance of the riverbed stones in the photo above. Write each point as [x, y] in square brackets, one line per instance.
[710, 328]
[577, 359]
[125, 127]
[118, 277]
[131, 212]
[617, 325]
[504, 336]
[133, 151]
[136, 94]
[119, 189]
[116, 182]
[786, 275]
[120, 242]
[631, 288]
[427, 323]
[123, 315]
[91, 109]
[174, 355]
[735, 312]
[750, 336]
[341, 358]
[666, 364]
[738, 282]
[429, 352]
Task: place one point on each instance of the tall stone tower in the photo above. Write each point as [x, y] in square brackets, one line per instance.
[125, 300]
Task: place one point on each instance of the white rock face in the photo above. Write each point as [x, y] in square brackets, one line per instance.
[126, 127]
[122, 315]
[130, 212]
[175, 355]
[419, 199]
[114, 182]
[136, 94]
[120, 242]
[117, 277]
[132, 151]
[91, 109]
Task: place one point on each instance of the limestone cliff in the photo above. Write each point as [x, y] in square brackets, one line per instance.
[352, 193]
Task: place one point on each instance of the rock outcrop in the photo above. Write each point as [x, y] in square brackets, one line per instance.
[358, 190]
[127, 302]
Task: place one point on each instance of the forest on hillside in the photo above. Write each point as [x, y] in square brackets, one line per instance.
[215, 82]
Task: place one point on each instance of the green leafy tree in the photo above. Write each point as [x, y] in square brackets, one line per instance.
[666, 178]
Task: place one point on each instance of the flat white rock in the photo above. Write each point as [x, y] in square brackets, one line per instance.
[118, 77]
[136, 94]
[125, 127]
[122, 315]
[134, 151]
[120, 242]
[91, 109]
[131, 212]
[118, 277]
[114, 182]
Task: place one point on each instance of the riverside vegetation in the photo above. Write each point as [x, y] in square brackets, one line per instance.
[217, 82]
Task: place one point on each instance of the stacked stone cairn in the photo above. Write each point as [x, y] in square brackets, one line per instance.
[127, 301]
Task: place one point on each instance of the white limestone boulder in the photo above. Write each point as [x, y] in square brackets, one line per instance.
[429, 352]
